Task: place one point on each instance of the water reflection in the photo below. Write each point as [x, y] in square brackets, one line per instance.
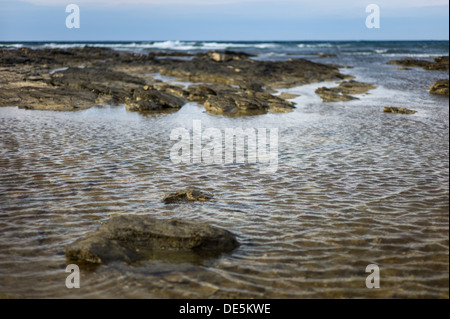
[353, 188]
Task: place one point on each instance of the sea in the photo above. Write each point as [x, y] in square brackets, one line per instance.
[354, 187]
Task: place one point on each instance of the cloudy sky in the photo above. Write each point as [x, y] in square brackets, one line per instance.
[222, 20]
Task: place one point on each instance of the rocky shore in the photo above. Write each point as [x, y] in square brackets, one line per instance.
[227, 82]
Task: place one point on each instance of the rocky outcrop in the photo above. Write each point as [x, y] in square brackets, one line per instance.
[134, 238]
[344, 90]
[73, 79]
[223, 99]
[440, 88]
[439, 63]
[399, 110]
[190, 195]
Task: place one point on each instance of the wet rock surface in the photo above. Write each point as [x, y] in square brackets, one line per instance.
[223, 99]
[439, 63]
[152, 99]
[190, 195]
[72, 79]
[398, 110]
[345, 91]
[440, 88]
[134, 238]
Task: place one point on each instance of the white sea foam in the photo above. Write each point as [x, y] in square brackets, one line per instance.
[412, 55]
[178, 45]
[316, 45]
[161, 45]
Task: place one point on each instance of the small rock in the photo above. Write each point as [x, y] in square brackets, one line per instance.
[189, 195]
[400, 110]
[440, 88]
[327, 55]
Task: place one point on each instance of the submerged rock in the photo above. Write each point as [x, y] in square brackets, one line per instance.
[440, 88]
[399, 110]
[134, 238]
[189, 195]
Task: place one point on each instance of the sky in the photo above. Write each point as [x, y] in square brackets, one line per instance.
[223, 20]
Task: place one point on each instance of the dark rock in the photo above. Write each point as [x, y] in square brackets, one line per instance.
[153, 100]
[48, 98]
[237, 102]
[399, 110]
[189, 195]
[133, 238]
[107, 84]
[440, 88]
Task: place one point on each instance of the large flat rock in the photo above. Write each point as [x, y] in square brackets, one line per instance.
[134, 238]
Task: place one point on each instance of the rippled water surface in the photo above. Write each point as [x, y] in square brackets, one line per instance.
[354, 187]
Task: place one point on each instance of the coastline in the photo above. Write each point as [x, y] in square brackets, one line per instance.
[355, 185]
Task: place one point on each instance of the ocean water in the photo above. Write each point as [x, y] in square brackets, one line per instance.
[354, 187]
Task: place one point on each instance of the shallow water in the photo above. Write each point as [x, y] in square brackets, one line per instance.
[354, 187]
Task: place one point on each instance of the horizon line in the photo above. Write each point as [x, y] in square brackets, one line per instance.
[112, 41]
